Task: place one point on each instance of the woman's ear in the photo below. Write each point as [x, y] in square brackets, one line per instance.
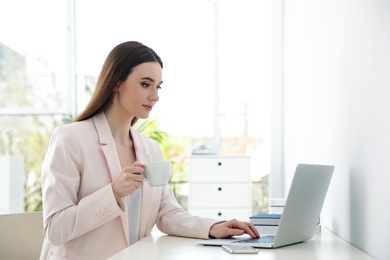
[117, 86]
[116, 89]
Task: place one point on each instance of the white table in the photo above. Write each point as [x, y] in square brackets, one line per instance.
[324, 245]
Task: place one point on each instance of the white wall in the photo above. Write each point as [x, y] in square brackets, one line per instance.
[336, 110]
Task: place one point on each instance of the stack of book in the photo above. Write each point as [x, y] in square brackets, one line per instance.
[269, 223]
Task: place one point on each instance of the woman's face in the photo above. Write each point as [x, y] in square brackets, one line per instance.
[138, 94]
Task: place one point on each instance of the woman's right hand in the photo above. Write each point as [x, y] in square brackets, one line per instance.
[130, 179]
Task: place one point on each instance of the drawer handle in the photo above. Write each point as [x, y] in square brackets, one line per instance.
[219, 214]
[219, 163]
[219, 188]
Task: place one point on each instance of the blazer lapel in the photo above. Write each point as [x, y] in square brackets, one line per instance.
[110, 152]
[142, 151]
[143, 156]
[107, 145]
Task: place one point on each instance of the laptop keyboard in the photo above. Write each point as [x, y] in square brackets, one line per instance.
[263, 239]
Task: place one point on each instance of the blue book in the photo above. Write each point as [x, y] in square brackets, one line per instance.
[266, 219]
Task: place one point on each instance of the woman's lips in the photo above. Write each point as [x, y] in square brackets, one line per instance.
[148, 107]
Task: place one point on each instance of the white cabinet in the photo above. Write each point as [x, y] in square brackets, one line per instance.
[11, 184]
[220, 187]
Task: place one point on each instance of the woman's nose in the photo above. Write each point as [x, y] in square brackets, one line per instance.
[154, 96]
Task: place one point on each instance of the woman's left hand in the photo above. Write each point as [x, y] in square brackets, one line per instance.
[233, 228]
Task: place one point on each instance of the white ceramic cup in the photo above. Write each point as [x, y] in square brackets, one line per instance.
[157, 173]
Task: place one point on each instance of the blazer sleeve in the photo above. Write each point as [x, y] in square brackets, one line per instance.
[65, 215]
[174, 220]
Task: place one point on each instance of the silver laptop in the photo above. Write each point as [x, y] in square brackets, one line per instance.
[301, 211]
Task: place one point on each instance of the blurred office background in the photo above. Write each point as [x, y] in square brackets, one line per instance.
[283, 82]
[216, 91]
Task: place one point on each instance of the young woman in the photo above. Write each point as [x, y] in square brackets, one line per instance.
[95, 200]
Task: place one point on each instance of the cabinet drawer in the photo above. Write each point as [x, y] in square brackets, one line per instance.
[219, 195]
[222, 213]
[217, 169]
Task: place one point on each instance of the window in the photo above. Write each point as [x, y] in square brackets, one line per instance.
[33, 84]
[216, 72]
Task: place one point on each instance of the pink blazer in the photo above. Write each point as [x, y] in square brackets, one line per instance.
[82, 219]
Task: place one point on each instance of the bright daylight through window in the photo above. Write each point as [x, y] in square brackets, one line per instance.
[217, 78]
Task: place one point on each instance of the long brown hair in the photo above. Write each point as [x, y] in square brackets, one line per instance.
[116, 68]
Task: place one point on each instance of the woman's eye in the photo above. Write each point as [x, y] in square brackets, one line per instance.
[158, 87]
[145, 85]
